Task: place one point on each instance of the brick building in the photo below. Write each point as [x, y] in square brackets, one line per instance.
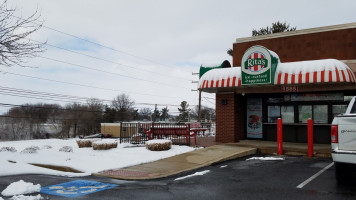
[294, 75]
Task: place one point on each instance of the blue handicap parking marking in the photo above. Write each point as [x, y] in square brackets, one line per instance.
[76, 188]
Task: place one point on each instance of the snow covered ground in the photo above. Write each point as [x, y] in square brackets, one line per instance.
[15, 157]
[85, 160]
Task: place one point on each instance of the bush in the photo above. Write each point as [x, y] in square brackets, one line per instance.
[30, 150]
[84, 143]
[66, 149]
[47, 147]
[159, 145]
[35, 147]
[104, 145]
[8, 149]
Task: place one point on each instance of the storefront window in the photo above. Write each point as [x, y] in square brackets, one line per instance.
[287, 113]
[274, 112]
[275, 100]
[305, 112]
[320, 114]
[348, 98]
[338, 109]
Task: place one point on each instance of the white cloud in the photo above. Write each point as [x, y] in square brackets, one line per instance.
[181, 35]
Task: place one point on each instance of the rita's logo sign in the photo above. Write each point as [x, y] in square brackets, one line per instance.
[258, 66]
[256, 62]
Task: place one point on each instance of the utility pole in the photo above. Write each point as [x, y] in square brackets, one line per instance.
[154, 113]
[199, 104]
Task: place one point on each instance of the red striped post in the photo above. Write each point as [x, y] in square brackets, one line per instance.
[279, 137]
[310, 138]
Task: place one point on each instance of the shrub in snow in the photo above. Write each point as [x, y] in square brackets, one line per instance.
[35, 147]
[47, 147]
[30, 150]
[66, 149]
[83, 143]
[159, 145]
[104, 145]
[8, 149]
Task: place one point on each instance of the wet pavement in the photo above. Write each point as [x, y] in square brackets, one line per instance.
[210, 155]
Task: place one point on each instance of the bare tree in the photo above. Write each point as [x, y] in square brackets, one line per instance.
[16, 126]
[15, 45]
[92, 117]
[145, 114]
[124, 107]
[206, 113]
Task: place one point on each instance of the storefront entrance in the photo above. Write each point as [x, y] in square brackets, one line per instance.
[262, 112]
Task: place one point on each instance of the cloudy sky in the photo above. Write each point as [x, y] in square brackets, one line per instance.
[148, 48]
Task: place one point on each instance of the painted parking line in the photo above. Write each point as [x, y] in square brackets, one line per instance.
[76, 188]
[314, 176]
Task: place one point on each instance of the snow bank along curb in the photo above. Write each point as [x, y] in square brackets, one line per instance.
[195, 174]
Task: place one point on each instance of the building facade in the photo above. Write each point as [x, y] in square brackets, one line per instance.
[293, 75]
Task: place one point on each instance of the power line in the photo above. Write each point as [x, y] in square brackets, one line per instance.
[105, 60]
[81, 85]
[95, 43]
[111, 73]
[207, 99]
[58, 97]
[9, 90]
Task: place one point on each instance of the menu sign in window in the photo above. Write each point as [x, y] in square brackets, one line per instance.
[254, 118]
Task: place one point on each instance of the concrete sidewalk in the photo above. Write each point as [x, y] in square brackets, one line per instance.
[207, 156]
[289, 149]
[180, 163]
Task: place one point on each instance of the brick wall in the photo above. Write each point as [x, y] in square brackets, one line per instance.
[339, 44]
[230, 118]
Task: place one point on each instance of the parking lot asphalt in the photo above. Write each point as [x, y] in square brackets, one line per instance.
[240, 178]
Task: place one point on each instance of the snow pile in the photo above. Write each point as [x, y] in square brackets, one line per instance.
[23, 197]
[195, 174]
[106, 141]
[265, 158]
[21, 187]
[158, 142]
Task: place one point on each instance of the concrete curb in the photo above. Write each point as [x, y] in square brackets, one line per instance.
[208, 156]
[180, 163]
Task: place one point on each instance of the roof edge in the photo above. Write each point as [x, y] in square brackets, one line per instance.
[297, 32]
